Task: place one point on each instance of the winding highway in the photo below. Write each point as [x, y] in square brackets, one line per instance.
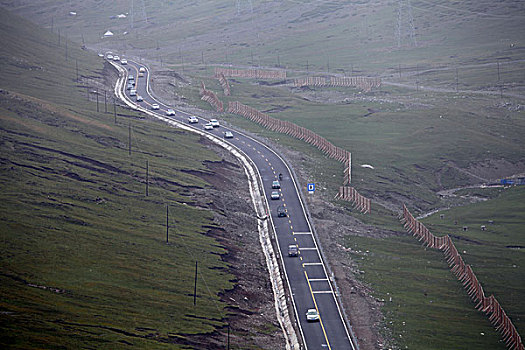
[305, 274]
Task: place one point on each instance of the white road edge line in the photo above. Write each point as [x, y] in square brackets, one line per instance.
[271, 261]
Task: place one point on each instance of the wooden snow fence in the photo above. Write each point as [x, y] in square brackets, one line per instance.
[350, 194]
[250, 73]
[210, 97]
[225, 85]
[363, 83]
[489, 305]
[307, 136]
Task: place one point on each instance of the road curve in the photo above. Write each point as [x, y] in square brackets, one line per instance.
[306, 274]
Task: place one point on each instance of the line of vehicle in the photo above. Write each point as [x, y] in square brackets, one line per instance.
[265, 196]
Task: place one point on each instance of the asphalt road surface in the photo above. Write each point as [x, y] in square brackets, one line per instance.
[306, 274]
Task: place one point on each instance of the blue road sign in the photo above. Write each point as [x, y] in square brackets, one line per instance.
[311, 188]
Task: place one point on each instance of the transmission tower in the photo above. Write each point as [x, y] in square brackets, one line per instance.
[405, 24]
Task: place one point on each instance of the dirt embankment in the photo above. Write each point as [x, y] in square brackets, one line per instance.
[252, 310]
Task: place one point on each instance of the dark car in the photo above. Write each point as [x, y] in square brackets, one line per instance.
[281, 212]
[293, 250]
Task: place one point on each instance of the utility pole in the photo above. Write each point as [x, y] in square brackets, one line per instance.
[167, 223]
[457, 80]
[129, 139]
[195, 285]
[147, 178]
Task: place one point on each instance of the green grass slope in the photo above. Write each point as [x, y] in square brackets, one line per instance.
[83, 258]
[334, 35]
[419, 133]
[426, 307]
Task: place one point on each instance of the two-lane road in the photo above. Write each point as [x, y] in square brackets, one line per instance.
[306, 274]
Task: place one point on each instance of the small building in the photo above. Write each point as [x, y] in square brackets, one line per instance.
[108, 34]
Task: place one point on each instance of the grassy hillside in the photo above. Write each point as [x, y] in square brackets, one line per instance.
[449, 114]
[426, 306]
[332, 35]
[83, 259]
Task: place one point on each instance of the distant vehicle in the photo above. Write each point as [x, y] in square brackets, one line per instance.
[312, 315]
[124, 61]
[275, 195]
[228, 135]
[130, 86]
[140, 98]
[293, 250]
[170, 112]
[131, 77]
[155, 106]
[276, 185]
[208, 126]
[116, 58]
[100, 55]
[142, 69]
[281, 212]
[133, 92]
[214, 123]
[193, 119]
[141, 75]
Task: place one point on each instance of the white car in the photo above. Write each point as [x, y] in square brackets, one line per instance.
[228, 135]
[312, 315]
[116, 58]
[140, 98]
[141, 74]
[155, 106]
[142, 69]
[133, 92]
[208, 126]
[170, 112]
[193, 119]
[109, 57]
[100, 55]
[124, 61]
[214, 123]
[275, 195]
